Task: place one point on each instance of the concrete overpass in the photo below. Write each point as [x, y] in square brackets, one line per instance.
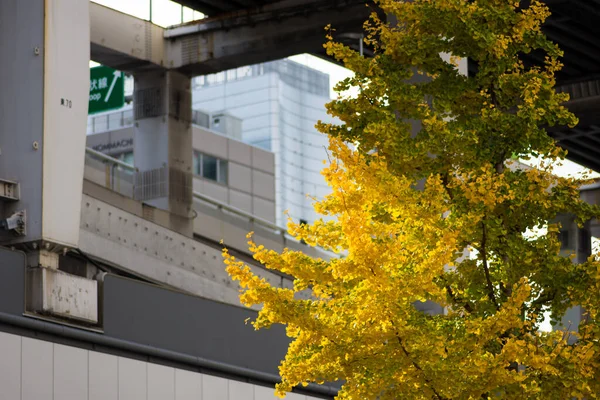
[234, 37]
[575, 26]
[242, 32]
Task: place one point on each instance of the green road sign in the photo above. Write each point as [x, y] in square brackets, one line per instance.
[107, 89]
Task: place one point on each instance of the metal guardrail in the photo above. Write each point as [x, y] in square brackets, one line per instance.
[241, 213]
[110, 121]
[113, 162]
[125, 118]
[113, 174]
[120, 177]
[110, 159]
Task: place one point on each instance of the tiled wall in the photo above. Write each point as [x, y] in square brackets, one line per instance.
[32, 369]
[251, 174]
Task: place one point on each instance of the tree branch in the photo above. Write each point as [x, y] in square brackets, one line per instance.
[500, 164]
[445, 182]
[464, 304]
[486, 269]
[418, 368]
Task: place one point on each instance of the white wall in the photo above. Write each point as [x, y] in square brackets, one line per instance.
[32, 369]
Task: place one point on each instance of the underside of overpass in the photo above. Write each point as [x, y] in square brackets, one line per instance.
[229, 38]
[574, 25]
[218, 7]
[244, 32]
[354, 13]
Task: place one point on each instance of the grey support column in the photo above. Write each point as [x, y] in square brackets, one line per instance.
[163, 144]
[44, 75]
[45, 81]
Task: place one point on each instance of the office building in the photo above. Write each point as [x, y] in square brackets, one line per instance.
[278, 103]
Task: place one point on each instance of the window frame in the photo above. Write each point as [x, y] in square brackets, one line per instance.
[222, 177]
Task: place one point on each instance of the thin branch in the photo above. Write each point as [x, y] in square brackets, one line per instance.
[486, 268]
[543, 298]
[418, 367]
[466, 305]
[342, 192]
[445, 183]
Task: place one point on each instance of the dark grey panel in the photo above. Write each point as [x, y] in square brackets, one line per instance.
[162, 318]
[21, 106]
[12, 281]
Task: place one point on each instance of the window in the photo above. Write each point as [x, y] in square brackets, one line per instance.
[210, 167]
[585, 241]
[126, 157]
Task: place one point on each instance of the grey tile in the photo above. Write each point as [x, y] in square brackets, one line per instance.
[10, 366]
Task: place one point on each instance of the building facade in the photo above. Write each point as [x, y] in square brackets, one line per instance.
[279, 104]
[224, 168]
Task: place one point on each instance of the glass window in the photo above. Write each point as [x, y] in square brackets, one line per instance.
[127, 157]
[222, 178]
[209, 167]
[584, 241]
[196, 163]
[564, 239]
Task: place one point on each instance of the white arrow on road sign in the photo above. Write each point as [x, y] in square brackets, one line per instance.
[116, 75]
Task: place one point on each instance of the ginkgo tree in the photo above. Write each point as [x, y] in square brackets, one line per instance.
[425, 207]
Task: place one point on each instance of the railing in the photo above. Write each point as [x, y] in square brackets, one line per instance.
[120, 177]
[234, 210]
[109, 122]
[123, 119]
[201, 118]
[108, 171]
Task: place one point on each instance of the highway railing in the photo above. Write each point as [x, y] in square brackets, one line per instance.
[122, 119]
[109, 172]
[236, 211]
[120, 177]
[214, 219]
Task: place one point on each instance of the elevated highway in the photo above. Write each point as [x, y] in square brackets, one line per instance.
[243, 32]
[230, 39]
[575, 26]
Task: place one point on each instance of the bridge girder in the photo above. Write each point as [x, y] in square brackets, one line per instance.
[216, 44]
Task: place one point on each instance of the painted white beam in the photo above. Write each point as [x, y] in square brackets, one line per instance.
[123, 41]
[216, 44]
